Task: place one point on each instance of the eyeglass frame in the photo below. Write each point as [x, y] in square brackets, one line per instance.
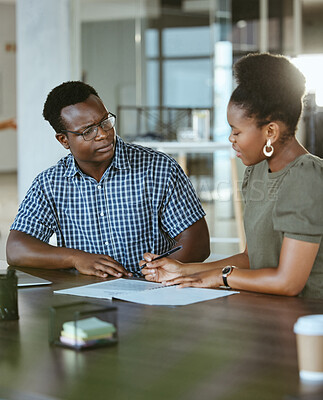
[93, 126]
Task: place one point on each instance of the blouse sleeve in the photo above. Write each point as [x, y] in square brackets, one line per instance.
[299, 207]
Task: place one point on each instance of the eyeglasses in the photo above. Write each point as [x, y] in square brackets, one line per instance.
[91, 132]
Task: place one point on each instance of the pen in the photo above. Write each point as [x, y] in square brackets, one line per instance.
[168, 253]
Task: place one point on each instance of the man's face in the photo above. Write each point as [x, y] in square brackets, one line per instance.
[77, 118]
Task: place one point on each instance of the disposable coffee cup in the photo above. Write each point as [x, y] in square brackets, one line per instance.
[309, 339]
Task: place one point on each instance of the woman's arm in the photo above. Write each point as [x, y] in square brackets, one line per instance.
[288, 279]
[166, 268]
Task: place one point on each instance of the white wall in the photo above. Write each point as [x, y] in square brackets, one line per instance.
[44, 60]
[8, 137]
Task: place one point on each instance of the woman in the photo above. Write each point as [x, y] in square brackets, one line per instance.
[282, 188]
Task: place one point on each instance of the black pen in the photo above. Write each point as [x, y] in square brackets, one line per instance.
[168, 253]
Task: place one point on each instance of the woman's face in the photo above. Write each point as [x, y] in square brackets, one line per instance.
[246, 137]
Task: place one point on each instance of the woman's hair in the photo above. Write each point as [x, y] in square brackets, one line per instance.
[66, 94]
[270, 88]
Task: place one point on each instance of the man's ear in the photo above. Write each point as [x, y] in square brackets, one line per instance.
[273, 131]
[63, 139]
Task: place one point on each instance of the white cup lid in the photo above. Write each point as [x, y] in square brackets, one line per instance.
[309, 325]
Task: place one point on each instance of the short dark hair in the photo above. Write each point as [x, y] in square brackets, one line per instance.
[66, 94]
[270, 88]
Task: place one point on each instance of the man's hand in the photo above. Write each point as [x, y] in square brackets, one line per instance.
[26, 251]
[160, 270]
[99, 265]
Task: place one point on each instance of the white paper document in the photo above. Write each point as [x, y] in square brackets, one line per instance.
[144, 292]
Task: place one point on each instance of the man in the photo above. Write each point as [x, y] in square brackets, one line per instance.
[108, 202]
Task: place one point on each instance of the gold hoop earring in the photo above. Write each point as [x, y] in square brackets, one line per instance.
[269, 146]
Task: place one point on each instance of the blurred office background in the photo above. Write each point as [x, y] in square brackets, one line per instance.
[165, 68]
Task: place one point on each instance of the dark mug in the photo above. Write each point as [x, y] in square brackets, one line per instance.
[8, 296]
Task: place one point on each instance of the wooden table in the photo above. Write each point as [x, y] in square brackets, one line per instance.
[237, 347]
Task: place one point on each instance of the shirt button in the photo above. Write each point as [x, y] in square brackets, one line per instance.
[102, 214]
[106, 243]
[99, 186]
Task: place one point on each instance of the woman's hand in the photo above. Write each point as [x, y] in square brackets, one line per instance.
[205, 279]
[161, 270]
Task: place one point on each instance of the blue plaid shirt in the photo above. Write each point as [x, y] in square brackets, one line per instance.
[142, 202]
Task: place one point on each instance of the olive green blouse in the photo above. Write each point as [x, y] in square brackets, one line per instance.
[285, 203]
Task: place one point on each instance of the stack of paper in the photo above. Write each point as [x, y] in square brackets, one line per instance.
[145, 292]
[87, 332]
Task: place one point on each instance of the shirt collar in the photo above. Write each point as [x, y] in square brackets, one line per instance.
[71, 168]
[120, 160]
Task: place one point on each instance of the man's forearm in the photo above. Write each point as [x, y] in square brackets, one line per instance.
[25, 250]
[191, 252]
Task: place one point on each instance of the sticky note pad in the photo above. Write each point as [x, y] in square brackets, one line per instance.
[87, 328]
[84, 343]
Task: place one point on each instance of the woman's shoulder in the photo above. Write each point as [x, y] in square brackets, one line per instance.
[308, 160]
[306, 169]
[299, 201]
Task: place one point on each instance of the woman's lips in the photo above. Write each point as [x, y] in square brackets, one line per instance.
[238, 154]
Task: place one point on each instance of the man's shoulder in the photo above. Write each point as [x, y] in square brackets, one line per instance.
[149, 154]
[57, 170]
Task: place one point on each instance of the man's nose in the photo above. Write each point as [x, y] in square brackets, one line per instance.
[102, 134]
